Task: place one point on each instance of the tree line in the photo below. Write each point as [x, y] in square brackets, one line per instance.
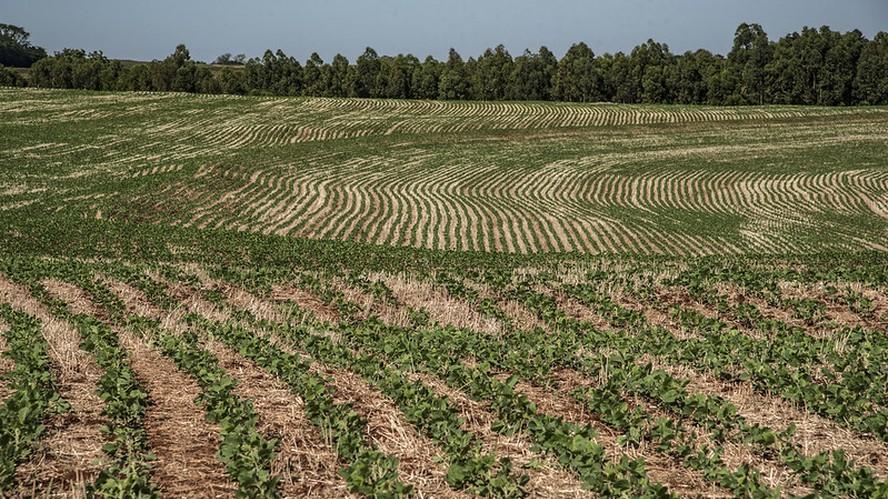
[16, 49]
[814, 66]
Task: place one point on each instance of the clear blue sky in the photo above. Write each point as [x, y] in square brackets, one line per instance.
[149, 29]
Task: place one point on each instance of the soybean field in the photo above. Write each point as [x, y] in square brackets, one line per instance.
[218, 296]
[469, 176]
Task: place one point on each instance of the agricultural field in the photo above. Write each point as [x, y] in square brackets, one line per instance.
[207, 296]
[470, 176]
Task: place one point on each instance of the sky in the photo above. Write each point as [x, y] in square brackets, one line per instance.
[145, 30]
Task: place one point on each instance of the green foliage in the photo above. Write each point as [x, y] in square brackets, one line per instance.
[16, 49]
[9, 78]
[385, 355]
[576, 78]
[821, 67]
[369, 471]
[33, 395]
[246, 453]
[123, 218]
[871, 83]
[469, 467]
[76, 69]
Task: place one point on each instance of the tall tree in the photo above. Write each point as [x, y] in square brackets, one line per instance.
[9, 78]
[751, 54]
[624, 86]
[396, 76]
[694, 71]
[840, 67]
[492, 74]
[172, 74]
[366, 73]
[232, 82]
[427, 78]
[16, 49]
[533, 75]
[339, 84]
[137, 77]
[815, 66]
[650, 72]
[785, 73]
[454, 84]
[871, 84]
[313, 77]
[576, 78]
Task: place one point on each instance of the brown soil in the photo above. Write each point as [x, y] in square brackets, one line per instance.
[839, 312]
[547, 477]
[522, 318]
[6, 364]
[735, 295]
[306, 301]
[306, 464]
[654, 315]
[419, 459]
[370, 305]
[417, 456]
[134, 300]
[814, 434]
[238, 297]
[69, 456]
[660, 468]
[578, 311]
[185, 443]
[76, 298]
[440, 306]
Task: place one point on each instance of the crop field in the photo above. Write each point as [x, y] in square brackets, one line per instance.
[504, 177]
[207, 296]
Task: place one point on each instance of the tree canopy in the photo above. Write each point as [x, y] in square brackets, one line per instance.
[16, 49]
[814, 66]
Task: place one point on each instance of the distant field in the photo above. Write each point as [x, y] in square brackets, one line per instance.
[511, 177]
[664, 301]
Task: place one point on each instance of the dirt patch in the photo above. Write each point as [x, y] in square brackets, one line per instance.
[576, 310]
[660, 468]
[184, 442]
[239, 298]
[6, 364]
[190, 300]
[736, 295]
[306, 301]
[679, 298]
[77, 299]
[243, 300]
[418, 456]
[440, 306]
[134, 300]
[522, 318]
[839, 312]
[370, 305]
[654, 315]
[137, 303]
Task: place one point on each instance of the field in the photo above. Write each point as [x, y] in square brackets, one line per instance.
[210, 296]
[506, 177]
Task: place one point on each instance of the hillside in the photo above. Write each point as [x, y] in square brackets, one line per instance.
[505, 177]
[207, 296]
